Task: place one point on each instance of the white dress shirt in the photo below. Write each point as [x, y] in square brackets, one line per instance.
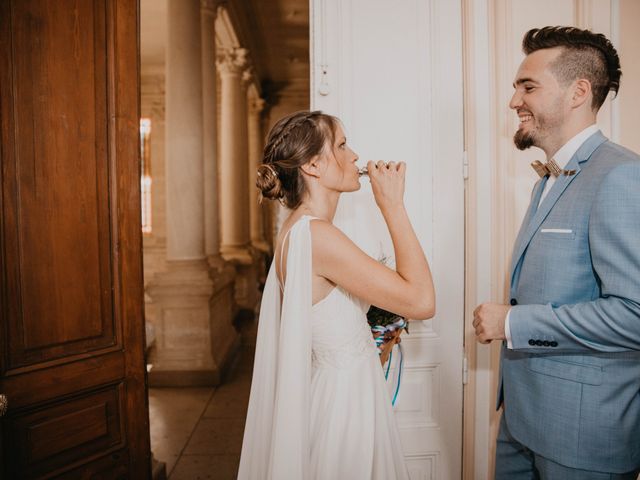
[562, 157]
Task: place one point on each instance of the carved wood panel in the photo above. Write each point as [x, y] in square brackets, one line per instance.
[56, 182]
[56, 435]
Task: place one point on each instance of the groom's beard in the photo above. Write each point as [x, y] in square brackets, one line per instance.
[546, 123]
[523, 140]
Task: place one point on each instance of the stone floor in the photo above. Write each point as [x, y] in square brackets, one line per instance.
[197, 432]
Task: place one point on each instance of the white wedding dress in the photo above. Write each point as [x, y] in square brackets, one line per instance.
[319, 406]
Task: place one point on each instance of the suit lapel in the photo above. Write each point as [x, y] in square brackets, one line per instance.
[531, 223]
[533, 207]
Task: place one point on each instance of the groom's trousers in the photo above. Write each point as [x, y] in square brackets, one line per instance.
[514, 461]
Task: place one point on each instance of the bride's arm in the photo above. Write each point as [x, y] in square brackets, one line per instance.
[407, 291]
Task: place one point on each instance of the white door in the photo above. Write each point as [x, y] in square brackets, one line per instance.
[392, 71]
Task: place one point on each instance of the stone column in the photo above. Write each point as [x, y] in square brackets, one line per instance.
[222, 304]
[185, 197]
[185, 351]
[256, 147]
[235, 244]
[234, 217]
[210, 136]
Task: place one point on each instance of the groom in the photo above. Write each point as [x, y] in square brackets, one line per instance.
[570, 362]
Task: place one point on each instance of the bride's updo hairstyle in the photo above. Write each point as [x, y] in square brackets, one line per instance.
[292, 142]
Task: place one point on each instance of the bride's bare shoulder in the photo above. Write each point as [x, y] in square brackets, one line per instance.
[328, 239]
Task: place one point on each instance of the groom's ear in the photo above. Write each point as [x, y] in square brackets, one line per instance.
[312, 167]
[581, 92]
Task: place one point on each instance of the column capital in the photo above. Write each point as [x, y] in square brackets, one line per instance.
[232, 60]
[247, 76]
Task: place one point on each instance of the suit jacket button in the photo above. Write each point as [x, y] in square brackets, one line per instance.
[545, 343]
[513, 301]
[532, 342]
[553, 344]
[539, 343]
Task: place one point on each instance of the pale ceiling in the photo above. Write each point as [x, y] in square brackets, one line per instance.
[276, 32]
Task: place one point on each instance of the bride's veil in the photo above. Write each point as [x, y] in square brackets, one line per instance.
[276, 435]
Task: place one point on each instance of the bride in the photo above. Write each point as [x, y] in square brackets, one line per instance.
[319, 407]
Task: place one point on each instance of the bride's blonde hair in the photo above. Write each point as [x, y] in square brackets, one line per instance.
[292, 142]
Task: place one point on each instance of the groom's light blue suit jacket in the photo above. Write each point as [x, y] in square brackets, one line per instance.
[571, 384]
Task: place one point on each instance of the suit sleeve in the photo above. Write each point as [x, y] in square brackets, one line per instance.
[610, 323]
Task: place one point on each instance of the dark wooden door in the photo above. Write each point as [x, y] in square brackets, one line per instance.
[71, 326]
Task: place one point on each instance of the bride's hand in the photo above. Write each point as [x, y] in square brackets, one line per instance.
[388, 344]
[387, 183]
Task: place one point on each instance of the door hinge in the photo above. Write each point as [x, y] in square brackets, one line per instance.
[465, 370]
[465, 165]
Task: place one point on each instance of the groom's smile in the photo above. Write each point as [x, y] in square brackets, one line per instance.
[525, 117]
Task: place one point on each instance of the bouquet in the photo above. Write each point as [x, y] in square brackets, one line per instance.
[386, 328]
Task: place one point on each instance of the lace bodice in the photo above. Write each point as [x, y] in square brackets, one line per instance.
[340, 333]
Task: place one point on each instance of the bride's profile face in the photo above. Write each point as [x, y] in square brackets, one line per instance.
[340, 171]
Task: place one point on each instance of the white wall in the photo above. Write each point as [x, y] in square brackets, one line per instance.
[629, 50]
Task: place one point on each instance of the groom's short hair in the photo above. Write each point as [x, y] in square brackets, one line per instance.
[584, 54]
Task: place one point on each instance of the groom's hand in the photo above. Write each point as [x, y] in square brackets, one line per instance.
[488, 320]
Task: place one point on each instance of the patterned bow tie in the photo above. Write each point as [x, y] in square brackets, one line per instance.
[550, 168]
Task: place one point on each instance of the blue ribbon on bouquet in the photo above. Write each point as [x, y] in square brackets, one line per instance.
[392, 327]
[397, 372]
